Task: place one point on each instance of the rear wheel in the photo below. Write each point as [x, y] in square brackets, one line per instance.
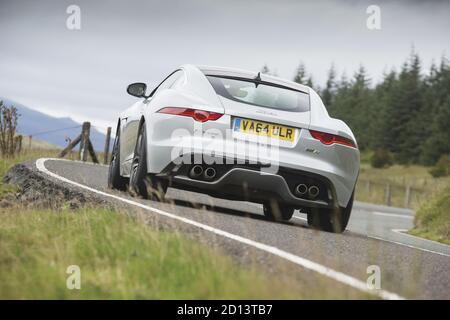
[115, 180]
[331, 220]
[277, 211]
[143, 184]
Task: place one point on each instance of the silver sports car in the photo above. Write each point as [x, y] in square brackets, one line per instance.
[238, 135]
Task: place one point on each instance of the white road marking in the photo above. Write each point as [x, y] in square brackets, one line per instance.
[410, 246]
[393, 215]
[400, 231]
[403, 230]
[303, 262]
[403, 233]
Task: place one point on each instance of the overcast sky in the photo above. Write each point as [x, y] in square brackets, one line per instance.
[83, 73]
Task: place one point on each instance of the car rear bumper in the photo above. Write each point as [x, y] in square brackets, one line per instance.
[335, 166]
[253, 185]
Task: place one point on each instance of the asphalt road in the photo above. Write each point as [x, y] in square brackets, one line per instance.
[410, 267]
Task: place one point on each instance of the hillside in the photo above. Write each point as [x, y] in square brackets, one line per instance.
[50, 129]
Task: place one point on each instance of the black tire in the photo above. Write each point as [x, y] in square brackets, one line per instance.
[115, 180]
[331, 220]
[143, 184]
[276, 211]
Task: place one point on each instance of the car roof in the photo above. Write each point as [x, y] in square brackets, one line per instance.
[234, 72]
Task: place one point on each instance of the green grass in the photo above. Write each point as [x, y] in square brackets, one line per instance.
[430, 196]
[423, 185]
[119, 258]
[7, 162]
[432, 220]
[32, 154]
[27, 154]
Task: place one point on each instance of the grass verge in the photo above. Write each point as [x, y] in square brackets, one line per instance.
[432, 220]
[119, 258]
[31, 154]
[372, 184]
[8, 162]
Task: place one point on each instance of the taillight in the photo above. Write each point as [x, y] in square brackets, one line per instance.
[328, 138]
[197, 115]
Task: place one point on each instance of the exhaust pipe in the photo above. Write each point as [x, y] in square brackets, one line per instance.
[196, 171]
[209, 173]
[301, 190]
[313, 192]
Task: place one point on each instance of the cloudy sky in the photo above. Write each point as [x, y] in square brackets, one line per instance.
[83, 73]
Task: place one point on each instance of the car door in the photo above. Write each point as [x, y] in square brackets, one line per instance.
[130, 120]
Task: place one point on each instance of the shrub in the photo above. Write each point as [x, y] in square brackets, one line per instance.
[441, 168]
[381, 158]
[432, 220]
[8, 124]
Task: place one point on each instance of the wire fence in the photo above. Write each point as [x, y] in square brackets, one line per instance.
[83, 139]
[404, 194]
[29, 138]
[53, 131]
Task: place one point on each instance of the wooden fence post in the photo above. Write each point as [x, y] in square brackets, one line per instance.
[92, 152]
[71, 145]
[29, 142]
[407, 196]
[107, 142]
[84, 143]
[368, 187]
[18, 146]
[388, 194]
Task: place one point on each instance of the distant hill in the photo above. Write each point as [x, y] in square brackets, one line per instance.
[50, 129]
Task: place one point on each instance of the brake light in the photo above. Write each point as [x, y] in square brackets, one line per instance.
[197, 115]
[328, 138]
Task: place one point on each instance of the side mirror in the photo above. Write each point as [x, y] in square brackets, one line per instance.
[137, 89]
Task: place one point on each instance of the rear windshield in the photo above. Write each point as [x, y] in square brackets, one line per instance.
[258, 94]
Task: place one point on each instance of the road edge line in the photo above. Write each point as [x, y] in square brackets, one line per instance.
[403, 233]
[409, 246]
[393, 215]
